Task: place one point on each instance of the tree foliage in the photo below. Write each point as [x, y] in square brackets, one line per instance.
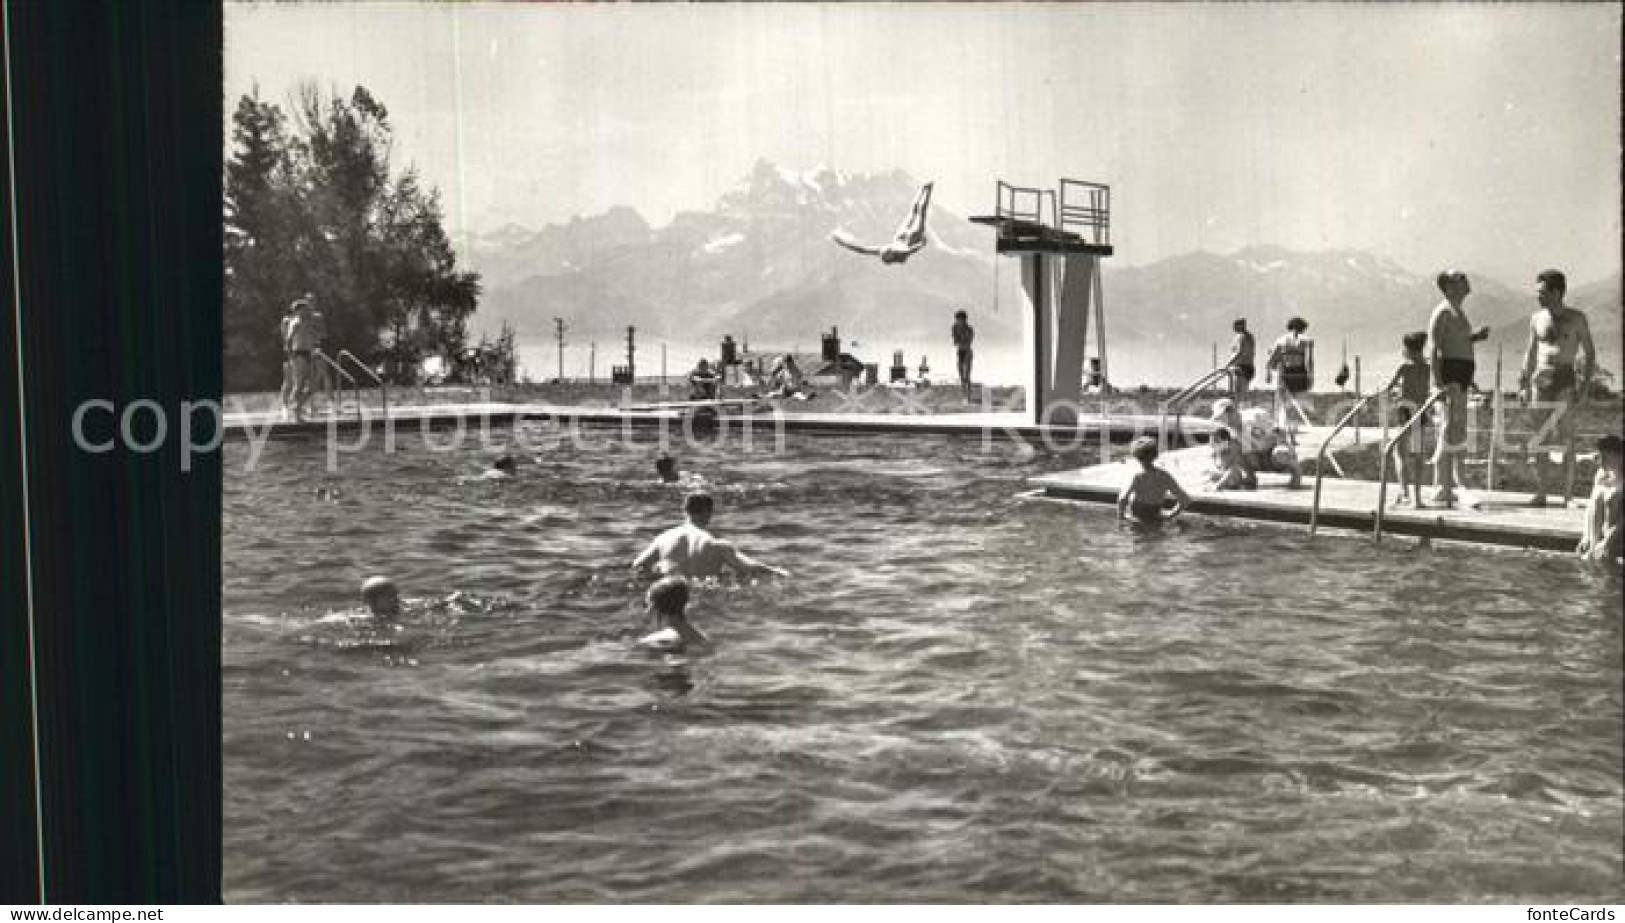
[311, 207]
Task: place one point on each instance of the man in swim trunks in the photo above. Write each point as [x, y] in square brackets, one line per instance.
[301, 342]
[1240, 363]
[1451, 337]
[287, 360]
[1558, 336]
[690, 550]
[963, 335]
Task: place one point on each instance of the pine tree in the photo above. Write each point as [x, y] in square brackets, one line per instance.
[315, 210]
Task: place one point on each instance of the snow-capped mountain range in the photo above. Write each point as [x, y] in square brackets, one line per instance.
[760, 266]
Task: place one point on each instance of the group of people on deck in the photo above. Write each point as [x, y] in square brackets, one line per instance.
[1438, 365]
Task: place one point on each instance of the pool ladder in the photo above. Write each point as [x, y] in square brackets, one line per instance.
[337, 365]
[1388, 451]
[1179, 400]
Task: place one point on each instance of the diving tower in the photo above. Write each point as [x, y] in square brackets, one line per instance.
[1060, 236]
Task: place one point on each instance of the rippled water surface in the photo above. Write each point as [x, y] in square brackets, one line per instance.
[958, 696]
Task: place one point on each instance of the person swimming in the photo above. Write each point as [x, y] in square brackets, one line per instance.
[666, 469]
[667, 603]
[504, 467]
[692, 551]
[382, 599]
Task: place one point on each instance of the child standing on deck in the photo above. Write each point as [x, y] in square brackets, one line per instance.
[1412, 385]
[1147, 490]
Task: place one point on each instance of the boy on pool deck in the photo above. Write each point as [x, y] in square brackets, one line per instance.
[1149, 487]
[382, 598]
[1413, 382]
[667, 602]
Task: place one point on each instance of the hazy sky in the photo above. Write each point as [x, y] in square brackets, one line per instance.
[1484, 136]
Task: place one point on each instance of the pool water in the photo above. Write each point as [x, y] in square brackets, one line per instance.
[958, 696]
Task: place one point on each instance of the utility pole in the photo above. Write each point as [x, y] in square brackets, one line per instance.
[558, 328]
[592, 363]
[662, 363]
[631, 353]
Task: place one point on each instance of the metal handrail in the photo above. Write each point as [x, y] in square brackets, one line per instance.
[1180, 399]
[354, 388]
[1388, 449]
[383, 390]
[1321, 457]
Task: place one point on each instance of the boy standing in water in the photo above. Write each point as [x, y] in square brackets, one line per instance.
[1149, 487]
[667, 603]
[1412, 382]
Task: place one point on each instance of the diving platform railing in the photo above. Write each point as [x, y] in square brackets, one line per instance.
[344, 376]
[1075, 219]
[1323, 456]
[383, 390]
[1180, 400]
[1388, 451]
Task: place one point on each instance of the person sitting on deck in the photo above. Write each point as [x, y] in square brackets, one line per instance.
[1263, 445]
[1601, 541]
[910, 237]
[1227, 472]
[667, 602]
[702, 382]
[785, 379]
[1150, 487]
[692, 551]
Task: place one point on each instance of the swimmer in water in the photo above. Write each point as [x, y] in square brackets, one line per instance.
[690, 550]
[382, 599]
[667, 604]
[503, 467]
[666, 468]
[1145, 492]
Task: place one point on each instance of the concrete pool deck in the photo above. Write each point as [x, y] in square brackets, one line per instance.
[1501, 518]
[1118, 428]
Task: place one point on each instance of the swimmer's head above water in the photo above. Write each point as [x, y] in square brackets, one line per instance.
[382, 597]
[668, 597]
[698, 508]
[666, 468]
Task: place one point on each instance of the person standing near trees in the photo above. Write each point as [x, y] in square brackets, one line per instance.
[301, 342]
[283, 327]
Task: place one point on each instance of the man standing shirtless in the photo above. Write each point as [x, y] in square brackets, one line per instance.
[689, 550]
[1451, 337]
[1558, 334]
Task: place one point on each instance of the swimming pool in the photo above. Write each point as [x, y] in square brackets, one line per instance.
[957, 697]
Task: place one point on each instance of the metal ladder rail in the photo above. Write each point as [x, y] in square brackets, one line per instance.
[1321, 457]
[1180, 399]
[383, 390]
[1388, 451]
[355, 389]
